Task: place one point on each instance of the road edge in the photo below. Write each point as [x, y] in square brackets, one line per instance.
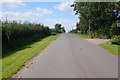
[31, 61]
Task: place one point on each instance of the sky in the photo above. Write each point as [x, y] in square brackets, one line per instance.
[47, 13]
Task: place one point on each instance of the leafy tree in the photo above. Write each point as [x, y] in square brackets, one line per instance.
[58, 28]
[63, 30]
[97, 17]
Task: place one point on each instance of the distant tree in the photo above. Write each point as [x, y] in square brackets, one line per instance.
[58, 28]
[63, 30]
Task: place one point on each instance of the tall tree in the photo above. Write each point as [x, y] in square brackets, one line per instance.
[96, 17]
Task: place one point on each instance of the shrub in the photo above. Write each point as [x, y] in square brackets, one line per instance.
[116, 40]
[53, 33]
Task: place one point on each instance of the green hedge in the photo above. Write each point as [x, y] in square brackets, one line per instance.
[15, 35]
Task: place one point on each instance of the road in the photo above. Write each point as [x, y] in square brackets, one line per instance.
[73, 57]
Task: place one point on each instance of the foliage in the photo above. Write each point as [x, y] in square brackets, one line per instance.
[15, 35]
[114, 30]
[97, 18]
[59, 29]
[116, 40]
[63, 30]
[53, 33]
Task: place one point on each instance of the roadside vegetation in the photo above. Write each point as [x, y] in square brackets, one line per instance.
[83, 36]
[13, 62]
[113, 45]
[16, 35]
[23, 40]
[99, 20]
[110, 47]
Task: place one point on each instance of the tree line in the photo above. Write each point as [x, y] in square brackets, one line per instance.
[16, 34]
[98, 19]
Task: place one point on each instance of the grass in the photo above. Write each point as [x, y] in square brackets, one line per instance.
[83, 35]
[12, 63]
[110, 47]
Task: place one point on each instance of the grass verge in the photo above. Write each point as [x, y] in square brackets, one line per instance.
[110, 47]
[83, 36]
[12, 63]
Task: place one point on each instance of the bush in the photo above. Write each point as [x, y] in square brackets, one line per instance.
[53, 33]
[93, 35]
[116, 40]
[114, 29]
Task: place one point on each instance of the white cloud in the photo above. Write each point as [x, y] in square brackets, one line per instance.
[28, 15]
[64, 6]
[43, 11]
[12, 3]
[21, 16]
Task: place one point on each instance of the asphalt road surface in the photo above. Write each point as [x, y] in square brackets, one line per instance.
[70, 56]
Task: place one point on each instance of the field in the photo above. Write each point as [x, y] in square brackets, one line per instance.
[13, 62]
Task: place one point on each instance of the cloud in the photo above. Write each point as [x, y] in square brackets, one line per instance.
[12, 3]
[21, 16]
[28, 15]
[64, 6]
[43, 11]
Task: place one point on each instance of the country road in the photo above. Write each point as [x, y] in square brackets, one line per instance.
[70, 56]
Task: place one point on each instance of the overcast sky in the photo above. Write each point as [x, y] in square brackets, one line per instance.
[47, 13]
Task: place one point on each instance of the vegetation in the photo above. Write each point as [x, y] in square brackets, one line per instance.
[98, 19]
[16, 35]
[116, 40]
[20, 42]
[16, 59]
[79, 34]
[59, 29]
[83, 35]
[110, 47]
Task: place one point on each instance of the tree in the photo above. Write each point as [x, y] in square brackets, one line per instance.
[63, 30]
[96, 17]
[58, 28]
